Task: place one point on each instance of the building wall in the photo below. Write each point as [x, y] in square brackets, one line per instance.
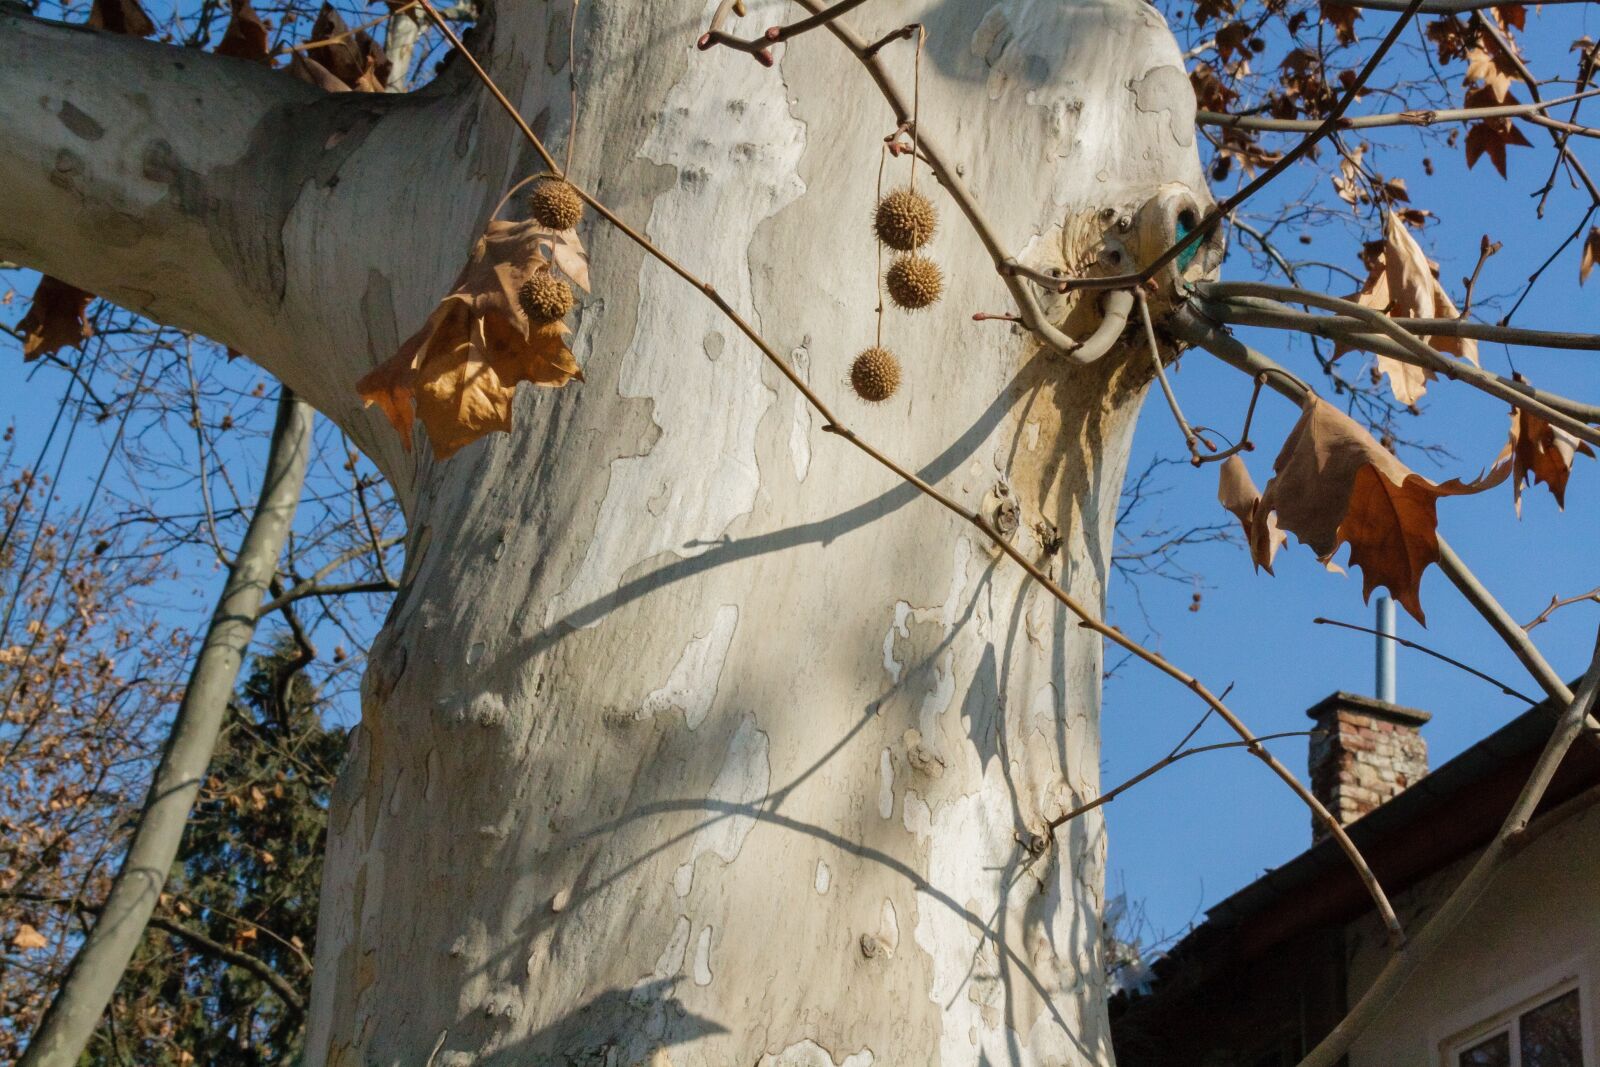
[1538, 923]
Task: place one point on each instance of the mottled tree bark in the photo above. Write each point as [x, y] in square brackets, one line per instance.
[690, 730]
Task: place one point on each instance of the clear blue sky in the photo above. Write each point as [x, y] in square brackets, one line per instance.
[1205, 827]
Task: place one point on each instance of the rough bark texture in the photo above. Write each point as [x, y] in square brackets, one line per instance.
[690, 730]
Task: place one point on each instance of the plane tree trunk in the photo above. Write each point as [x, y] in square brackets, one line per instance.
[691, 733]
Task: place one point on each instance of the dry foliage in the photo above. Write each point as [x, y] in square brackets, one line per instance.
[459, 373]
[1333, 484]
[1403, 282]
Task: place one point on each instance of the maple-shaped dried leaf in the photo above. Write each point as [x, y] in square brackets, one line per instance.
[458, 374]
[1512, 16]
[121, 16]
[246, 36]
[1492, 136]
[56, 319]
[1543, 451]
[1591, 251]
[27, 937]
[1486, 63]
[1343, 17]
[1332, 484]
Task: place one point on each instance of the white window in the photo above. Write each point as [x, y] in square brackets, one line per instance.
[1549, 1032]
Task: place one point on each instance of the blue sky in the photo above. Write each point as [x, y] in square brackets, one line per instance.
[1209, 825]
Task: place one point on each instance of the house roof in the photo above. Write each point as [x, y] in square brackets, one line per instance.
[1450, 813]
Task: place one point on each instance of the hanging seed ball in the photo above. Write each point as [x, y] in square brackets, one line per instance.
[914, 281]
[905, 220]
[556, 204]
[545, 298]
[875, 375]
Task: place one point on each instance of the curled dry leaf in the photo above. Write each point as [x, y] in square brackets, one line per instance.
[1237, 492]
[459, 373]
[56, 319]
[121, 16]
[1332, 484]
[246, 36]
[1543, 451]
[1591, 252]
[27, 937]
[1401, 282]
[352, 56]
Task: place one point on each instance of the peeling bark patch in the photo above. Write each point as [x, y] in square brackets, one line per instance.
[885, 785]
[800, 428]
[702, 958]
[80, 122]
[692, 685]
[808, 1053]
[740, 784]
[670, 962]
[897, 628]
[1167, 89]
[733, 164]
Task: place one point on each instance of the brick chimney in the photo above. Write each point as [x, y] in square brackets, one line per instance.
[1363, 753]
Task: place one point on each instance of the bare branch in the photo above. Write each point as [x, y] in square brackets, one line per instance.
[1506, 843]
[1414, 117]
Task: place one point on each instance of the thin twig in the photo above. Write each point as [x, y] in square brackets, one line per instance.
[1557, 603]
[1404, 642]
[1190, 439]
[1158, 766]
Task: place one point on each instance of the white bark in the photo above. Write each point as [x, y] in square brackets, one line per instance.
[691, 730]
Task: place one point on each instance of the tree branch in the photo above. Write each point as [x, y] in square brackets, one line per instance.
[1506, 844]
[1414, 117]
[1570, 415]
[103, 957]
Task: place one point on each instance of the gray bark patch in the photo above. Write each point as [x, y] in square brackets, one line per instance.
[1167, 89]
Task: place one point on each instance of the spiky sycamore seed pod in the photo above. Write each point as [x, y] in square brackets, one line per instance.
[913, 281]
[555, 203]
[545, 298]
[905, 220]
[875, 375]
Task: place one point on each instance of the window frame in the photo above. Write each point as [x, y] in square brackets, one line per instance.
[1503, 1011]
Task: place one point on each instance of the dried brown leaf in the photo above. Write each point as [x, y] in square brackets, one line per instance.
[1333, 484]
[1591, 251]
[27, 937]
[246, 36]
[1401, 282]
[1237, 492]
[56, 319]
[1542, 451]
[459, 373]
[121, 16]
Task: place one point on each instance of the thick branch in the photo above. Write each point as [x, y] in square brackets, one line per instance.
[146, 173]
[104, 955]
[1376, 328]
